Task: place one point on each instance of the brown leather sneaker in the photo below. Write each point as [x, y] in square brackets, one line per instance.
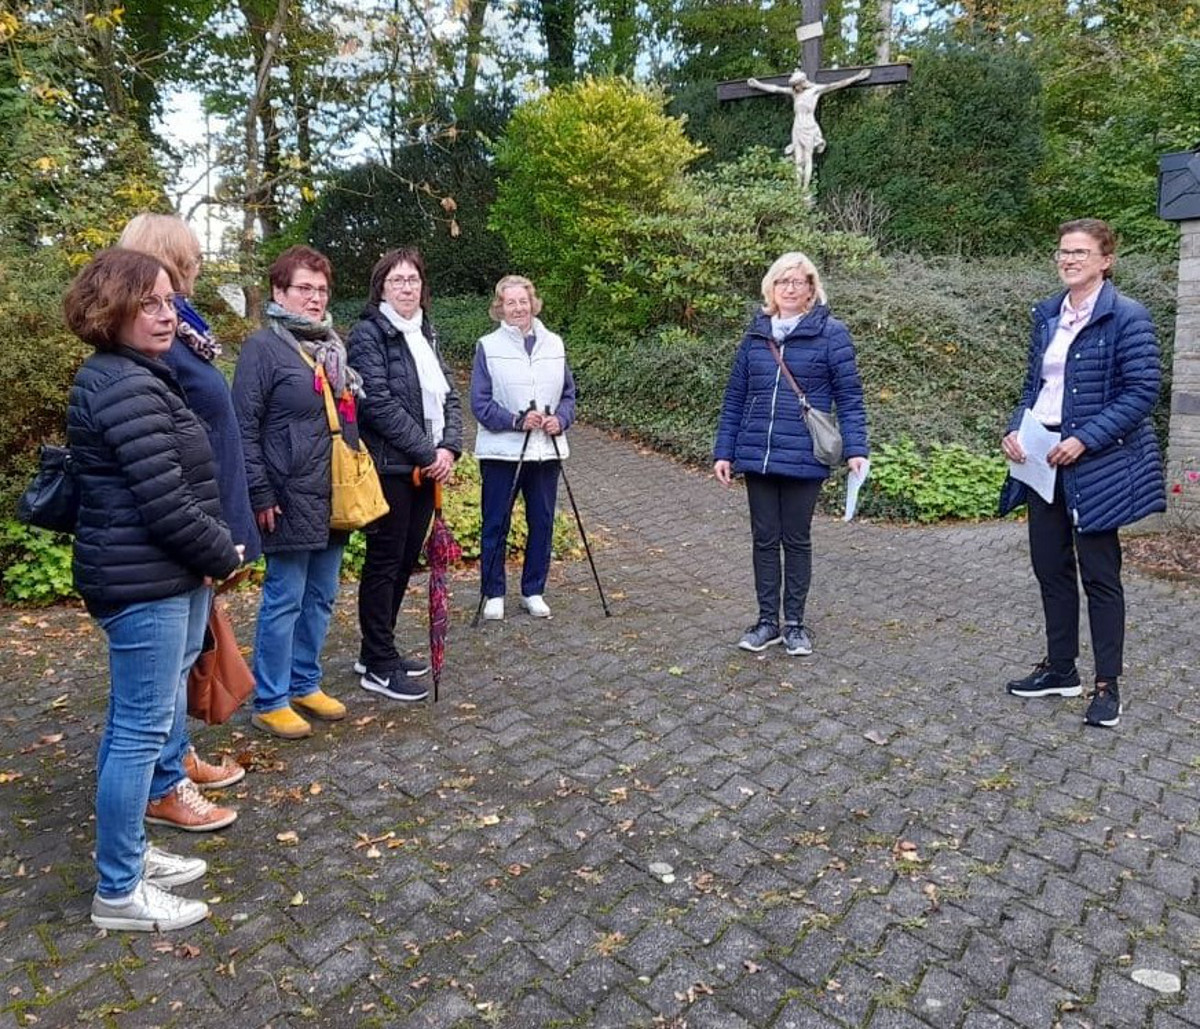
[210, 776]
[186, 808]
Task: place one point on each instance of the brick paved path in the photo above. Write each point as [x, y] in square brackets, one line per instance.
[873, 836]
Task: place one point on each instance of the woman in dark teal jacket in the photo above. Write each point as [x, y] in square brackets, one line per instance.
[1093, 376]
[762, 435]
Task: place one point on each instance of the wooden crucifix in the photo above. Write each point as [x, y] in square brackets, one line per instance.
[807, 84]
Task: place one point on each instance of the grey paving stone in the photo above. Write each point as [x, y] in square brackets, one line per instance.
[566, 756]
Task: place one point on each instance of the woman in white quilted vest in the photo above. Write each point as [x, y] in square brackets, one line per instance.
[523, 399]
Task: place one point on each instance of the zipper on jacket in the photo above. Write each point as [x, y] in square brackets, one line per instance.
[771, 420]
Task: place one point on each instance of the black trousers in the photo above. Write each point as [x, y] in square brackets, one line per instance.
[393, 547]
[1058, 553]
[781, 512]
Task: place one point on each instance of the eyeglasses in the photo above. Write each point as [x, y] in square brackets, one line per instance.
[308, 292]
[152, 303]
[796, 284]
[402, 280]
[1072, 255]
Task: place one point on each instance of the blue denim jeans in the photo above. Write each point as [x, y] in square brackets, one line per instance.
[297, 603]
[150, 647]
[170, 763]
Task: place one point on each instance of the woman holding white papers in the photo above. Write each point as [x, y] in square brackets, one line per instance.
[1093, 377]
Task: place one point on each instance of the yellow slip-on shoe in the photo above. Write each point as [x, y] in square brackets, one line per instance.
[321, 705]
[284, 723]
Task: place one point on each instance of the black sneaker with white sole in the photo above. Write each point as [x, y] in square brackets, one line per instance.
[393, 686]
[1105, 707]
[410, 666]
[1046, 681]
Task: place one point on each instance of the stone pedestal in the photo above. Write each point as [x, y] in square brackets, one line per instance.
[1183, 453]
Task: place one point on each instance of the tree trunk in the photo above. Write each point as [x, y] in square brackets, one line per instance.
[464, 102]
[558, 28]
[266, 45]
[883, 51]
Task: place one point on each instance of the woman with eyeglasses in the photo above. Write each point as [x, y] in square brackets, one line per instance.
[763, 435]
[148, 541]
[411, 420]
[285, 434]
[191, 357]
[1093, 377]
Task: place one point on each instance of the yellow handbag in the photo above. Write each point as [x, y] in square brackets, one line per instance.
[357, 497]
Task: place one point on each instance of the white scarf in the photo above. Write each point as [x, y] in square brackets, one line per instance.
[434, 386]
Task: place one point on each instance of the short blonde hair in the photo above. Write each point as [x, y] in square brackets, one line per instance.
[166, 237]
[496, 309]
[790, 260]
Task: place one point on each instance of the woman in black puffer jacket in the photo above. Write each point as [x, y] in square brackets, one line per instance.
[149, 538]
[411, 418]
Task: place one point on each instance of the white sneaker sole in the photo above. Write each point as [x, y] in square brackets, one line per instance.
[743, 645]
[148, 925]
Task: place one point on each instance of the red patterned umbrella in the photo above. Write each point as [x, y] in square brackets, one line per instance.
[441, 550]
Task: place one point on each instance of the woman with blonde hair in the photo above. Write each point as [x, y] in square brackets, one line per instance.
[523, 398]
[793, 341]
[171, 241]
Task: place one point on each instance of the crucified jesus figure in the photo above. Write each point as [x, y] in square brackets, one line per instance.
[806, 133]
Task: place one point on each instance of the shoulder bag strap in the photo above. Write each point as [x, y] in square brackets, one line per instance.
[787, 373]
[335, 426]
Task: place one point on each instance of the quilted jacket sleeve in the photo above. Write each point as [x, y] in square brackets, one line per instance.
[250, 389]
[134, 419]
[847, 393]
[381, 408]
[732, 407]
[1136, 381]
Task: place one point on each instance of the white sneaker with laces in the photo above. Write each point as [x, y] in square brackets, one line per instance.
[148, 909]
[162, 868]
[536, 606]
[493, 610]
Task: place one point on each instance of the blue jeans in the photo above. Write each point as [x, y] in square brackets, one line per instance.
[539, 488]
[150, 647]
[297, 603]
[170, 762]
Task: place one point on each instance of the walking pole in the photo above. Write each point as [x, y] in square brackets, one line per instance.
[512, 499]
[579, 521]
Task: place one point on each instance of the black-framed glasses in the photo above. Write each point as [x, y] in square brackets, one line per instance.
[152, 303]
[1072, 255]
[402, 280]
[792, 283]
[308, 292]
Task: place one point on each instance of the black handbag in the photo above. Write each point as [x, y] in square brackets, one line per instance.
[51, 500]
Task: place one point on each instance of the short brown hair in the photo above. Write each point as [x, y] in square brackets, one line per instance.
[496, 308]
[285, 265]
[1099, 230]
[166, 237]
[106, 294]
[383, 268]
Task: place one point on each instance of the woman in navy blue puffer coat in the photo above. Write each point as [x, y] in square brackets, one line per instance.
[762, 435]
[1093, 377]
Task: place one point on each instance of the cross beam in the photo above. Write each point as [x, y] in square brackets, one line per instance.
[880, 75]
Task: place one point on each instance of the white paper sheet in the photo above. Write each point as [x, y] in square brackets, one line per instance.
[1036, 440]
[854, 482]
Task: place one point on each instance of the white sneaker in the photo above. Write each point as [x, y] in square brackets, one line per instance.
[493, 610]
[162, 868]
[148, 909]
[536, 606]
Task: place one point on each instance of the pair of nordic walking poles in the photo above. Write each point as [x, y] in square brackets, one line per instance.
[512, 499]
